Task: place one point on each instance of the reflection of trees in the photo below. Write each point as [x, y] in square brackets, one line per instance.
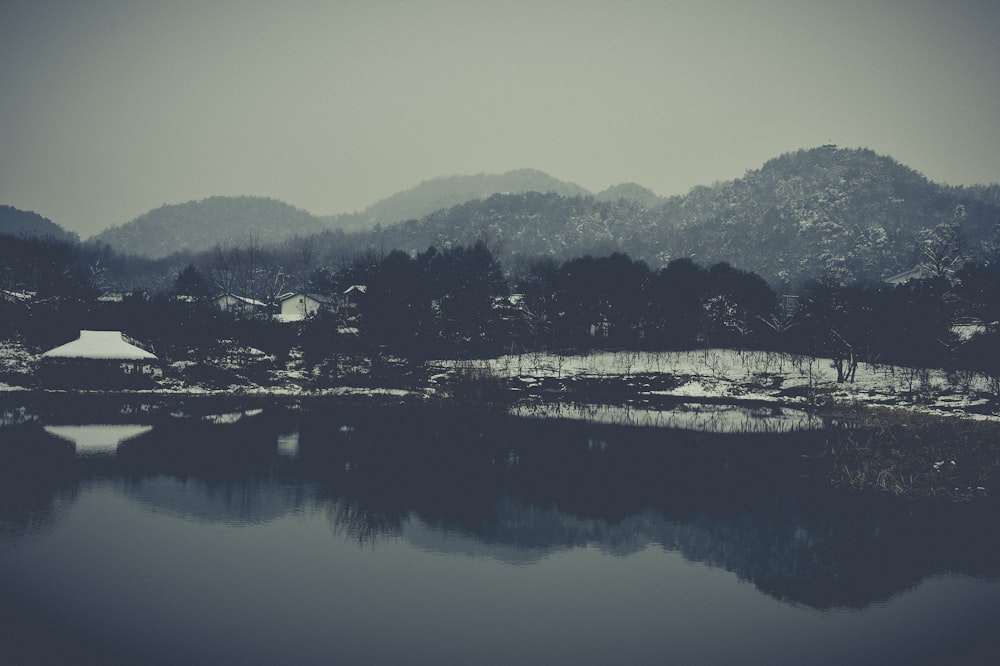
[732, 502]
[32, 487]
[365, 525]
[519, 489]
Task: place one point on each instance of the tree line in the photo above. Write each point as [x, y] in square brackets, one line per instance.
[460, 301]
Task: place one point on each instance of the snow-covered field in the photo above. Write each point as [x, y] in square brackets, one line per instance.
[640, 379]
[734, 375]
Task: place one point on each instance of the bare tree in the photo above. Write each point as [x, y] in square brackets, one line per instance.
[227, 264]
[941, 247]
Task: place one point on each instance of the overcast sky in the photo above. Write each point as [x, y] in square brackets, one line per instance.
[109, 108]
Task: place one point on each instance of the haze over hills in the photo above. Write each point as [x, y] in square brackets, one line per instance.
[15, 222]
[820, 213]
[199, 225]
[825, 213]
[445, 192]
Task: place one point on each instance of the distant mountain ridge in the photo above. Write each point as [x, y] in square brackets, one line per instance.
[16, 222]
[200, 225]
[841, 215]
[836, 214]
[445, 192]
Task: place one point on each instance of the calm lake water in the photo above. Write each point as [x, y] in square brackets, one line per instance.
[221, 532]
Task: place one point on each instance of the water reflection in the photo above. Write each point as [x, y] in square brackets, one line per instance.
[288, 444]
[701, 417]
[367, 535]
[97, 439]
[514, 490]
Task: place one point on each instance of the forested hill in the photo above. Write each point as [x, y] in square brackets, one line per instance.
[445, 192]
[200, 225]
[15, 222]
[843, 215]
[825, 213]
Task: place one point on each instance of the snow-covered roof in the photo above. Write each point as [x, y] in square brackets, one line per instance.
[108, 345]
[17, 295]
[319, 298]
[225, 298]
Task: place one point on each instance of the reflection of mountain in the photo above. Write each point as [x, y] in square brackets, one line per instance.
[519, 490]
[246, 502]
[794, 551]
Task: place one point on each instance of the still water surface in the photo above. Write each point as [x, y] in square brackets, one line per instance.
[315, 534]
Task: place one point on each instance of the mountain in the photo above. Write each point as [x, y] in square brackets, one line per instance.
[15, 222]
[631, 192]
[836, 214]
[842, 215]
[200, 225]
[445, 192]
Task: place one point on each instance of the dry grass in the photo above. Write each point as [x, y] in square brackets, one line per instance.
[913, 455]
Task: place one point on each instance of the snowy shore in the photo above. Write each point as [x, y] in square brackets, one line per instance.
[735, 376]
[643, 380]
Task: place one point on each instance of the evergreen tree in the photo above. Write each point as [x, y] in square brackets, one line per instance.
[191, 284]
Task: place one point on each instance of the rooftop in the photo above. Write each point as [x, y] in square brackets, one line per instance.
[110, 345]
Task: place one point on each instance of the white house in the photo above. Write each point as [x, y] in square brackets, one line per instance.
[915, 273]
[301, 305]
[100, 345]
[240, 304]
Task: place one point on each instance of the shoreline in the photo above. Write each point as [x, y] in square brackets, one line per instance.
[892, 432]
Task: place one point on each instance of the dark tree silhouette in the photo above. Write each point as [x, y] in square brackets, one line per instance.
[676, 295]
[192, 284]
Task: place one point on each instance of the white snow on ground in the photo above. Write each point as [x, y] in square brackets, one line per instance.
[727, 374]
[15, 360]
[692, 376]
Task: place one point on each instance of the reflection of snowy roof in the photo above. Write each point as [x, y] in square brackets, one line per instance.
[97, 438]
[100, 344]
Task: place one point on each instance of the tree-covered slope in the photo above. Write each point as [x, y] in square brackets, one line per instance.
[200, 225]
[27, 224]
[841, 215]
[445, 192]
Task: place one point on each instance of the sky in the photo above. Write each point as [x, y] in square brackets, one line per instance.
[110, 108]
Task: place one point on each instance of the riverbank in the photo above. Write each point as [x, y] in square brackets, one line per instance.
[725, 375]
[916, 434]
[911, 433]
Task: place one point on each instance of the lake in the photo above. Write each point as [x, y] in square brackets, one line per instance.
[240, 531]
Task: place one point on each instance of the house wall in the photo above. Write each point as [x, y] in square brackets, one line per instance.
[300, 304]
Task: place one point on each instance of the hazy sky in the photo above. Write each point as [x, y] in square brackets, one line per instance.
[109, 108]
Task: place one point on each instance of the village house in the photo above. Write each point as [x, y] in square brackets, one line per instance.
[297, 306]
[240, 305]
[97, 359]
[353, 295]
[915, 273]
